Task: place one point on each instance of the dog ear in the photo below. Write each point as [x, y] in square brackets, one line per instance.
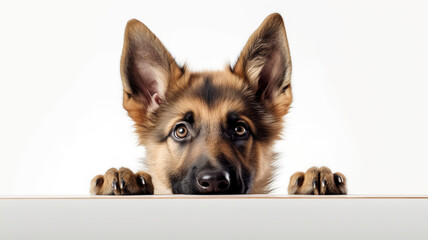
[265, 63]
[146, 68]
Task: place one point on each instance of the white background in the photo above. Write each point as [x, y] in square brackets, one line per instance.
[359, 79]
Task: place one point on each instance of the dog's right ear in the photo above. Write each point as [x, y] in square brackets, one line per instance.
[146, 68]
[265, 63]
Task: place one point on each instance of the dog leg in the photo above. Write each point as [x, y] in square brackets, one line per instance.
[317, 181]
[122, 182]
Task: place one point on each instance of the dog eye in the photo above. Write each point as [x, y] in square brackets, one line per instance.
[181, 131]
[241, 129]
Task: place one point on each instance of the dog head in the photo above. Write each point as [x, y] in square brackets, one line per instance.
[208, 132]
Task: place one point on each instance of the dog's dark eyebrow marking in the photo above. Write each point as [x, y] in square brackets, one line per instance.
[232, 118]
[188, 117]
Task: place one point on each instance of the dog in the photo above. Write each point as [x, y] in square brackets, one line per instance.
[209, 132]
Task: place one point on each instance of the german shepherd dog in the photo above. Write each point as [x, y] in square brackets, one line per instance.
[209, 132]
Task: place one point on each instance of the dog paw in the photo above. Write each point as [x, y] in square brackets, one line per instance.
[122, 182]
[317, 181]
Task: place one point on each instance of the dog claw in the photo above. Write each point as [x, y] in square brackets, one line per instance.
[143, 182]
[99, 182]
[338, 178]
[299, 181]
[315, 183]
[323, 183]
[122, 184]
[114, 185]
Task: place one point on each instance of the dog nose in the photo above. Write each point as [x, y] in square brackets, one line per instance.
[213, 182]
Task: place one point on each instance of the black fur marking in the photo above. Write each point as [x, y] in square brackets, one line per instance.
[208, 92]
[212, 94]
[188, 117]
[232, 118]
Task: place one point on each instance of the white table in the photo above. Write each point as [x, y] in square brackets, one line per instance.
[214, 217]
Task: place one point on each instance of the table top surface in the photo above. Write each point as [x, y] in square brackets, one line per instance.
[242, 196]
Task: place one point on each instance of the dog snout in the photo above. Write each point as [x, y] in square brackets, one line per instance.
[213, 181]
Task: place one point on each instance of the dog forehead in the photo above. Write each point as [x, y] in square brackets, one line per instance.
[212, 95]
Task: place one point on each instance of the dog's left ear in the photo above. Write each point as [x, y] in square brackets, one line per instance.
[265, 63]
[147, 69]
